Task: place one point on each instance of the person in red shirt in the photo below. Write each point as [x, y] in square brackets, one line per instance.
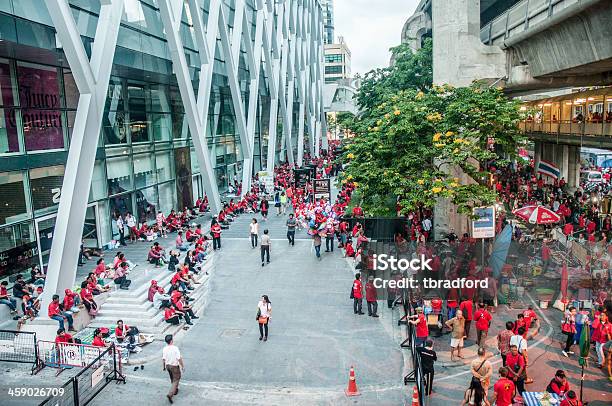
[371, 297]
[422, 330]
[531, 316]
[357, 211]
[349, 251]
[215, 230]
[467, 307]
[98, 341]
[516, 368]
[63, 337]
[87, 299]
[568, 229]
[483, 320]
[558, 385]
[545, 256]
[357, 294]
[503, 390]
[70, 299]
[571, 400]
[56, 313]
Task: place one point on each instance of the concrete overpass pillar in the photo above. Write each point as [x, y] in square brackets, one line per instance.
[537, 153]
[573, 167]
[459, 57]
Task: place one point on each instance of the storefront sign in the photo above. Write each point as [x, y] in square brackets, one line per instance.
[322, 189]
[18, 259]
[483, 224]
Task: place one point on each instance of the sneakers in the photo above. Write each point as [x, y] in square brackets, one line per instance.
[571, 352]
[564, 353]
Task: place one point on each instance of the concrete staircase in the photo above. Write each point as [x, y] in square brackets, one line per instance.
[133, 307]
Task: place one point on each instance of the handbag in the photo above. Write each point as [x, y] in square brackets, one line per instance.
[352, 293]
[262, 320]
[567, 327]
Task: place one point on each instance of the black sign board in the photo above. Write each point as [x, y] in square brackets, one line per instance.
[322, 189]
[18, 259]
[301, 176]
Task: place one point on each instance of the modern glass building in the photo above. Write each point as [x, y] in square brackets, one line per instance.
[145, 159]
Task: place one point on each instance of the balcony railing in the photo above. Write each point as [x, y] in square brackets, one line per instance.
[568, 127]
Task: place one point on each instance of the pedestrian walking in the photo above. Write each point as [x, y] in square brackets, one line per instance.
[173, 363]
[215, 230]
[476, 395]
[330, 233]
[503, 390]
[467, 307]
[371, 297]
[263, 207]
[428, 357]
[121, 229]
[483, 321]
[283, 200]
[316, 242]
[503, 341]
[254, 232]
[277, 202]
[357, 294]
[568, 327]
[291, 224]
[264, 313]
[482, 369]
[422, 329]
[457, 326]
[265, 247]
[516, 368]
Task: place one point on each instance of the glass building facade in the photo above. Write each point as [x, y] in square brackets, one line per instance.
[145, 159]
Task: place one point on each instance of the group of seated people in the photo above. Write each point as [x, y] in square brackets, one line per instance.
[176, 302]
[118, 271]
[27, 292]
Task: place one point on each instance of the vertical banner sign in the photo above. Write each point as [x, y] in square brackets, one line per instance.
[483, 224]
[322, 189]
[267, 180]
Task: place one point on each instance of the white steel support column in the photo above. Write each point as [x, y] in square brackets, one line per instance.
[92, 79]
[194, 115]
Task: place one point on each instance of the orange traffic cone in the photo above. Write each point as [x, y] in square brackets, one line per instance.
[352, 385]
[415, 396]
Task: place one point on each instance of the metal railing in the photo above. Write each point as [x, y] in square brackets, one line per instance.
[520, 18]
[19, 346]
[568, 127]
[83, 388]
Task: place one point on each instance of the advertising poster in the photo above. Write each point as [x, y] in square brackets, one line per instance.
[483, 224]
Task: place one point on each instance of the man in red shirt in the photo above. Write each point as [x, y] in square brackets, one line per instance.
[503, 389]
[371, 297]
[422, 330]
[357, 294]
[545, 256]
[467, 307]
[516, 368]
[215, 230]
[56, 313]
[483, 321]
[63, 337]
[531, 316]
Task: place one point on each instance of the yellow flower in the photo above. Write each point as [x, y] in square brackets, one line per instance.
[458, 140]
[454, 184]
[356, 184]
[434, 116]
[456, 151]
[387, 116]
[349, 177]
[375, 129]
[449, 133]
[436, 137]
[440, 145]
[436, 189]
[421, 182]
[379, 122]
[350, 156]
[420, 95]
[397, 112]
[343, 181]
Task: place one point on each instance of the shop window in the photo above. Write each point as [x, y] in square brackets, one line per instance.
[161, 125]
[46, 186]
[18, 248]
[144, 170]
[113, 119]
[167, 194]
[14, 207]
[119, 174]
[164, 165]
[39, 97]
[9, 141]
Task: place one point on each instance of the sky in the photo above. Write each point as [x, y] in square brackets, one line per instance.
[370, 28]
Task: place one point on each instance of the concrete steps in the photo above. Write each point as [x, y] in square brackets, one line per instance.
[133, 307]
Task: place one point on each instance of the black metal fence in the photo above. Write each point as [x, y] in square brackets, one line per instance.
[19, 346]
[83, 388]
[416, 375]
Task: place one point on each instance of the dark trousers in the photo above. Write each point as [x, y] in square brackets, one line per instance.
[317, 250]
[253, 240]
[216, 243]
[372, 308]
[481, 336]
[121, 237]
[175, 377]
[357, 305]
[265, 253]
[520, 385]
[329, 243]
[569, 341]
[468, 324]
[263, 328]
[428, 376]
[503, 357]
[175, 320]
[291, 237]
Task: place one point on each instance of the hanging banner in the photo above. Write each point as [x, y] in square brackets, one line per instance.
[483, 224]
[322, 189]
[301, 177]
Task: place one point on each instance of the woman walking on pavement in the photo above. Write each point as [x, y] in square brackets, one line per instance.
[568, 327]
[264, 205]
[265, 247]
[254, 231]
[264, 313]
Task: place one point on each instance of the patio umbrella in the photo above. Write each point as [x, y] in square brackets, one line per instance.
[585, 349]
[537, 215]
[500, 250]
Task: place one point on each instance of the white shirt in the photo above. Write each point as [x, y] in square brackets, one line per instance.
[120, 223]
[131, 221]
[427, 224]
[158, 298]
[520, 342]
[254, 227]
[171, 355]
[264, 309]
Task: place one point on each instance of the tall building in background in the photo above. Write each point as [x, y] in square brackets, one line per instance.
[337, 61]
[328, 21]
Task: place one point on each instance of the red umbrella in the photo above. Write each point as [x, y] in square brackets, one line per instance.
[564, 283]
[537, 215]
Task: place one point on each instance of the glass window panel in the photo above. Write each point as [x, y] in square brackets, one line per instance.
[119, 204]
[39, 97]
[159, 99]
[144, 170]
[167, 194]
[146, 204]
[98, 182]
[9, 141]
[118, 174]
[164, 164]
[161, 126]
[137, 113]
[46, 186]
[71, 92]
[195, 164]
[13, 207]
[113, 120]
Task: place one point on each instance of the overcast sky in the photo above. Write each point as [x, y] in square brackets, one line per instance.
[370, 28]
